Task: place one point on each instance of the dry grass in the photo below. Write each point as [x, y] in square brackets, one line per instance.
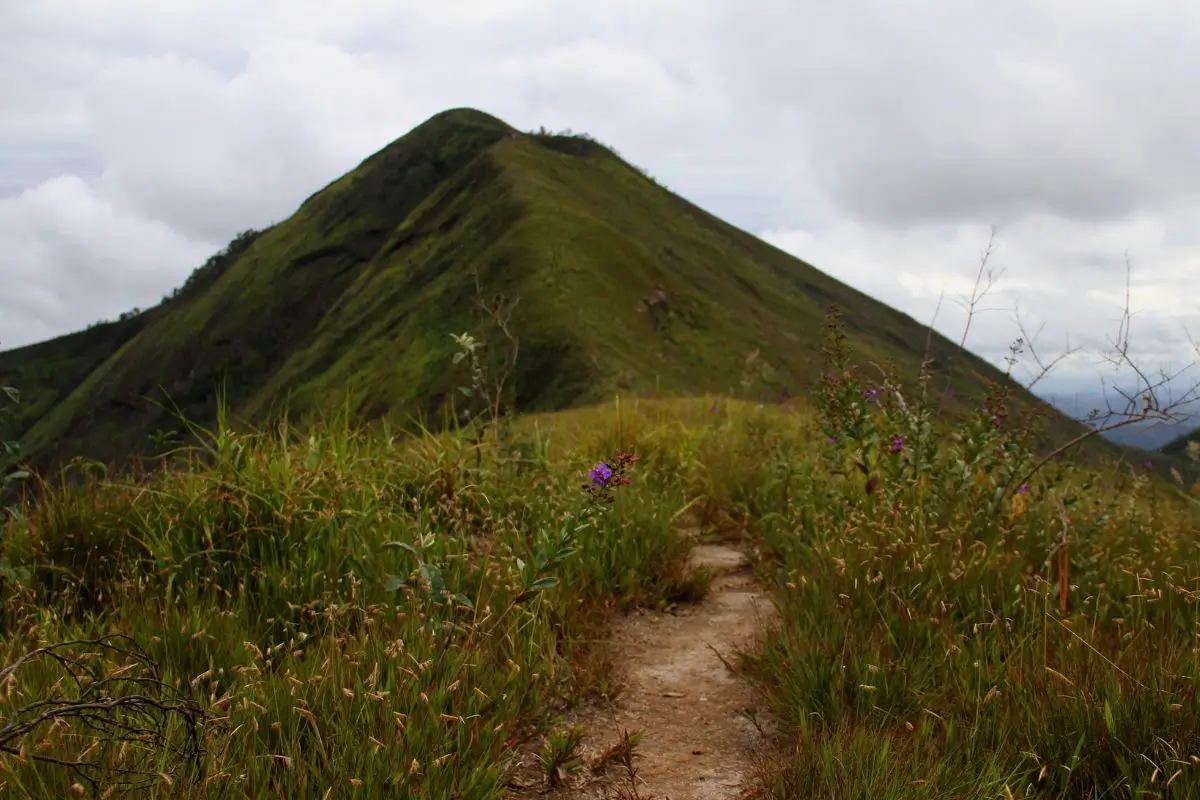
[925, 644]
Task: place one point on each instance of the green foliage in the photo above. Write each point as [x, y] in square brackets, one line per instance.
[211, 270]
[10, 474]
[560, 754]
[355, 609]
[948, 626]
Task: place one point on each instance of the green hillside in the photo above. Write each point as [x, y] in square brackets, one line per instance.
[48, 372]
[1179, 445]
[359, 292]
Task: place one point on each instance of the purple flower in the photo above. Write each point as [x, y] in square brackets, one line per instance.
[1023, 488]
[870, 393]
[897, 443]
[832, 442]
[600, 474]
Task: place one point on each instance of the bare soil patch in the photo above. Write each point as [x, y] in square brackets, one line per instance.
[702, 729]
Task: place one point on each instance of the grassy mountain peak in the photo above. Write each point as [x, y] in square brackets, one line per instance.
[620, 285]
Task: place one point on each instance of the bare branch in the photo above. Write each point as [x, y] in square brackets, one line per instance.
[978, 294]
[985, 280]
[117, 695]
[1030, 342]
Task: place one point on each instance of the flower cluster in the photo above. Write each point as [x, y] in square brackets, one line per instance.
[606, 476]
[870, 429]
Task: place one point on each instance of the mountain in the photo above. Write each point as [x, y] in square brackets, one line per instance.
[622, 286]
[1179, 445]
[1149, 434]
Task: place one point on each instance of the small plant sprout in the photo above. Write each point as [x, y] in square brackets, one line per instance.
[560, 755]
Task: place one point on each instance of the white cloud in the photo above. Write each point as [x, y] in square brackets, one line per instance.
[72, 258]
[1058, 275]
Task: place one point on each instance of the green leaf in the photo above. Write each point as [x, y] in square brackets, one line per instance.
[1109, 722]
[403, 545]
[394, 583]
[433, 574]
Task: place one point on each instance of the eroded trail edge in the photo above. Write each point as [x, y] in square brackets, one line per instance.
[701, 723]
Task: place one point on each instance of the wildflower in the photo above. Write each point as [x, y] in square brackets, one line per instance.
[606, 476]
[715, 408]
[897, 443]
[1023, 488]
[832, 442]
[870, 393]
[600, 474]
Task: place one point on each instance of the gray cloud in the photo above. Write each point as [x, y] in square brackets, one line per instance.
[948, 111]
[875, 141]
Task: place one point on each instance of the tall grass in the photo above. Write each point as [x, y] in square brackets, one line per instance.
[361, 615]
[364, 615]
[956, 623]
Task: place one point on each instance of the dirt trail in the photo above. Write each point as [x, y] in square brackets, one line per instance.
[699, 738]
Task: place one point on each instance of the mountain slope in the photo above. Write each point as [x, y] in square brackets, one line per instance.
[360, 290]
[1179, 445]
[46, 373]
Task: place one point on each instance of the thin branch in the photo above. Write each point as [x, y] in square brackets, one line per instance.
[126, 705]
[1030, 342]
[985, 280]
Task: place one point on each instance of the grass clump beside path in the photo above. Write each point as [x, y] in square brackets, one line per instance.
[955, 623]
[356, 614]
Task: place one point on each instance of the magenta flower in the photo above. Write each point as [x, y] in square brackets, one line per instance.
[600, 474]
[897, 443]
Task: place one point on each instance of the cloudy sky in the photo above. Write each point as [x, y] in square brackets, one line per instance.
[879, 141]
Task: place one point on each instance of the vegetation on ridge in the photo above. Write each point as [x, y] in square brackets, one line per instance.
[624, 286]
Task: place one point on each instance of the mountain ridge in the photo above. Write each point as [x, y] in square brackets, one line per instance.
[360, 290]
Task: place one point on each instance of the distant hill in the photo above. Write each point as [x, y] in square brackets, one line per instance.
[1151, 434]
[360, 289]
[1147, 435]
[1179, 445]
